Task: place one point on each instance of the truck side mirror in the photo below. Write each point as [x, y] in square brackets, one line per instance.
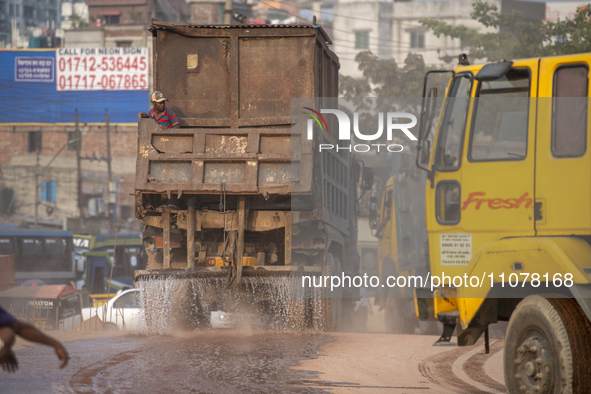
[373, 212]
[367, 178]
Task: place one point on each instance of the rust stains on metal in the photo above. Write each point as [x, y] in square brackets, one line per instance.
[225, 144]
[165, 143]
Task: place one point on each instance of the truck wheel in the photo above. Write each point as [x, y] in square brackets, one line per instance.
[547, 347]
[327, 311]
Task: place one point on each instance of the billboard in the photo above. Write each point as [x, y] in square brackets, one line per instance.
[102, 69]
[32, 92]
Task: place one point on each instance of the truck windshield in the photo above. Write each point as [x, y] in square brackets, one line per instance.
[454, 123]
[499, 126]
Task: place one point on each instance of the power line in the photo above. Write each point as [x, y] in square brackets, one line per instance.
[397, 42]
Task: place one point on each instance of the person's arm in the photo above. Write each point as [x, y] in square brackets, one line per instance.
[174, 121]
[8, 361]
[32, 334]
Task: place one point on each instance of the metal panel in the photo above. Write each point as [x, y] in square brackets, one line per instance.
[277, 144]
[231, 88]
[223, 172]
[225, 144]
[272, 71]
[202, 91]
[165, 143]
[170, 171]
[276, 172]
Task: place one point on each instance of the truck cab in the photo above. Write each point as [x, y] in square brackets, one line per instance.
[507, 207]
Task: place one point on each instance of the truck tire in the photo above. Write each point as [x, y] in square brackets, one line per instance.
[327, 309]
[547, 347]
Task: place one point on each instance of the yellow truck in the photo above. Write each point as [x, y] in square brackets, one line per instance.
[508, 215]
[397, 218]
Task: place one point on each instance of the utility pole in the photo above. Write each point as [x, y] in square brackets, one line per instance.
[110, 204]
[228, 12]
[78, 164]
[37, 188]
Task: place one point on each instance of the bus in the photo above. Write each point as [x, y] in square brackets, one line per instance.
[96, 254]
[43, 256]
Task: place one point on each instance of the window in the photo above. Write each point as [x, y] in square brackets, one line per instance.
[500, 120]
[362, 39]
[6, 246]
[131, 300]
[32, 247]
[29, 12]
[45, 254]
[124, 44]
[126, 262]
[569, 111]
[453, 125]
[11, 10]
[48, 191]
[417, 39]
[111, 19]
[448, 202]
[55, 247]
[35, 139]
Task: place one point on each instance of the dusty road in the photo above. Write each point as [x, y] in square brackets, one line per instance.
[255, 362]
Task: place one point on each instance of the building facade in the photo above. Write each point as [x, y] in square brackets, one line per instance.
[43, 177]
[392, 29]
[19, 17]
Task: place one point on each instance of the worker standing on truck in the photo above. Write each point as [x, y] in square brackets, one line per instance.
[9, 326]
[165, 117]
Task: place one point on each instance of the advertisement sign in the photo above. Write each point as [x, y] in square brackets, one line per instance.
[33, 69]
[102, 69]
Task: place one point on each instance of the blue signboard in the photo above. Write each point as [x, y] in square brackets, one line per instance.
[32, 69]
[28, 86]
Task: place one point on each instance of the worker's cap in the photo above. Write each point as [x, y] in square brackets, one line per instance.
[158, 97]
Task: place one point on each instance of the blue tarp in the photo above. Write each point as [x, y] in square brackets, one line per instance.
[39, 101]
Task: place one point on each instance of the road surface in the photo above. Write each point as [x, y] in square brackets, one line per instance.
[240, 361]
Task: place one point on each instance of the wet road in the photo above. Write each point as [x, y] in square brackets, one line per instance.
[200, 362]
[245, 361]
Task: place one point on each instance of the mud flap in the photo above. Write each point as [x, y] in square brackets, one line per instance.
[450, 321]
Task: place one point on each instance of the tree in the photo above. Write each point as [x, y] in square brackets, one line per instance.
[516, 38]
[387, 79]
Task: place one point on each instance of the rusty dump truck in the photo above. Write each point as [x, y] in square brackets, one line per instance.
[253, 196]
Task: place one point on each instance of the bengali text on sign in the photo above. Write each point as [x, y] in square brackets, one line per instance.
[33, 69]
